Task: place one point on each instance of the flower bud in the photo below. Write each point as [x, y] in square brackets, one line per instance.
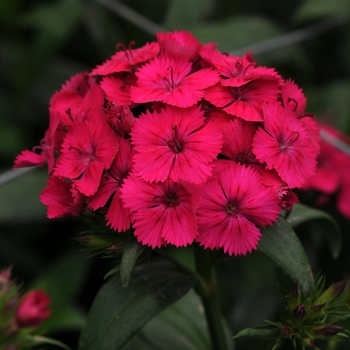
[332, 292]
[327, 330]
[33, 309]
[294, 297]
[299, 311]
[286, 332]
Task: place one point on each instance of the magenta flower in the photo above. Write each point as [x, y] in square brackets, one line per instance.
[169, 80]
[285, 145]
[117, 214]
[244, 101]
[88, 149]
[232, 203]
[180, 43]
[125, 59]
[162, 212]
[33, 309]
[61, 198]
[175, 144]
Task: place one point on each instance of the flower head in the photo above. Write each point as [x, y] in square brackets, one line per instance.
[33, 309]
[177, 144]
[232, 204]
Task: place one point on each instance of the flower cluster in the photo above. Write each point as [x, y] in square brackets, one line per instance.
[180, 142]
[333, 171]
[20, 314]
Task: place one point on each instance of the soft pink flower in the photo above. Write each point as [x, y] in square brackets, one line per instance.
[175, 144]
[285, 145]
[33, 309]
[233, 202]
[162, 212]
[169, 80]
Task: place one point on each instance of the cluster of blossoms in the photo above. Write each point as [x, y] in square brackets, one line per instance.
[180, 142]
[19, 314]
[332, 172]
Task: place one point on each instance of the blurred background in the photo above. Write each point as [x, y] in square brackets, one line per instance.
[44, 43]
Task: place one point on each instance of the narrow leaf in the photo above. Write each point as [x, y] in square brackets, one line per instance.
[326, 225]
[132, 250]
[281, 245]
[40, 340]
[118, 313]
[262, 332]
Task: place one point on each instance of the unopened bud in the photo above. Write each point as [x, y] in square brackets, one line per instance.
[332, 292]
[299, 311]
[294, 297]
[327, 331]
[286, 332]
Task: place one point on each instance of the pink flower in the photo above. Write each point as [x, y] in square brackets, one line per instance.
[180, 43]
[33, 309]
[162, 212]
[117, 214]
[333, 171]
[126, 59]
[285, 145]
[236, 71]
[244, 101]
[175, 144]
[61, 198]
[238, 137]
[233, 202]
[88, 149]
[170, 80]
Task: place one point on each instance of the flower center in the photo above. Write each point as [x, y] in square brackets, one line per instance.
[285, 144]
[127, 50]
[169, 80]
[175, 144]
[169, 200]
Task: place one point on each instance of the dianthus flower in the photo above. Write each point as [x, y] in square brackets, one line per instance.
[117, 214]
[178, 143]
[163, 212]
[169, 80]
[88, 149]
[232, 203]
[175, 144]
[284, 144]
[127, 58]
[333, 171]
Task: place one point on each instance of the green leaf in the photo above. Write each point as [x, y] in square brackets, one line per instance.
[19, 199]
[183, 13]
[132, 250]
[181, 326]
[262, 332]
[281, 245]
[311, 9]
[327, 225]
[118, 313]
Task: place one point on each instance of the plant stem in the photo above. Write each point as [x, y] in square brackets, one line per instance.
[206, 289]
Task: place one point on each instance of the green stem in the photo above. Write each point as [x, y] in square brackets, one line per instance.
[206, 289]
